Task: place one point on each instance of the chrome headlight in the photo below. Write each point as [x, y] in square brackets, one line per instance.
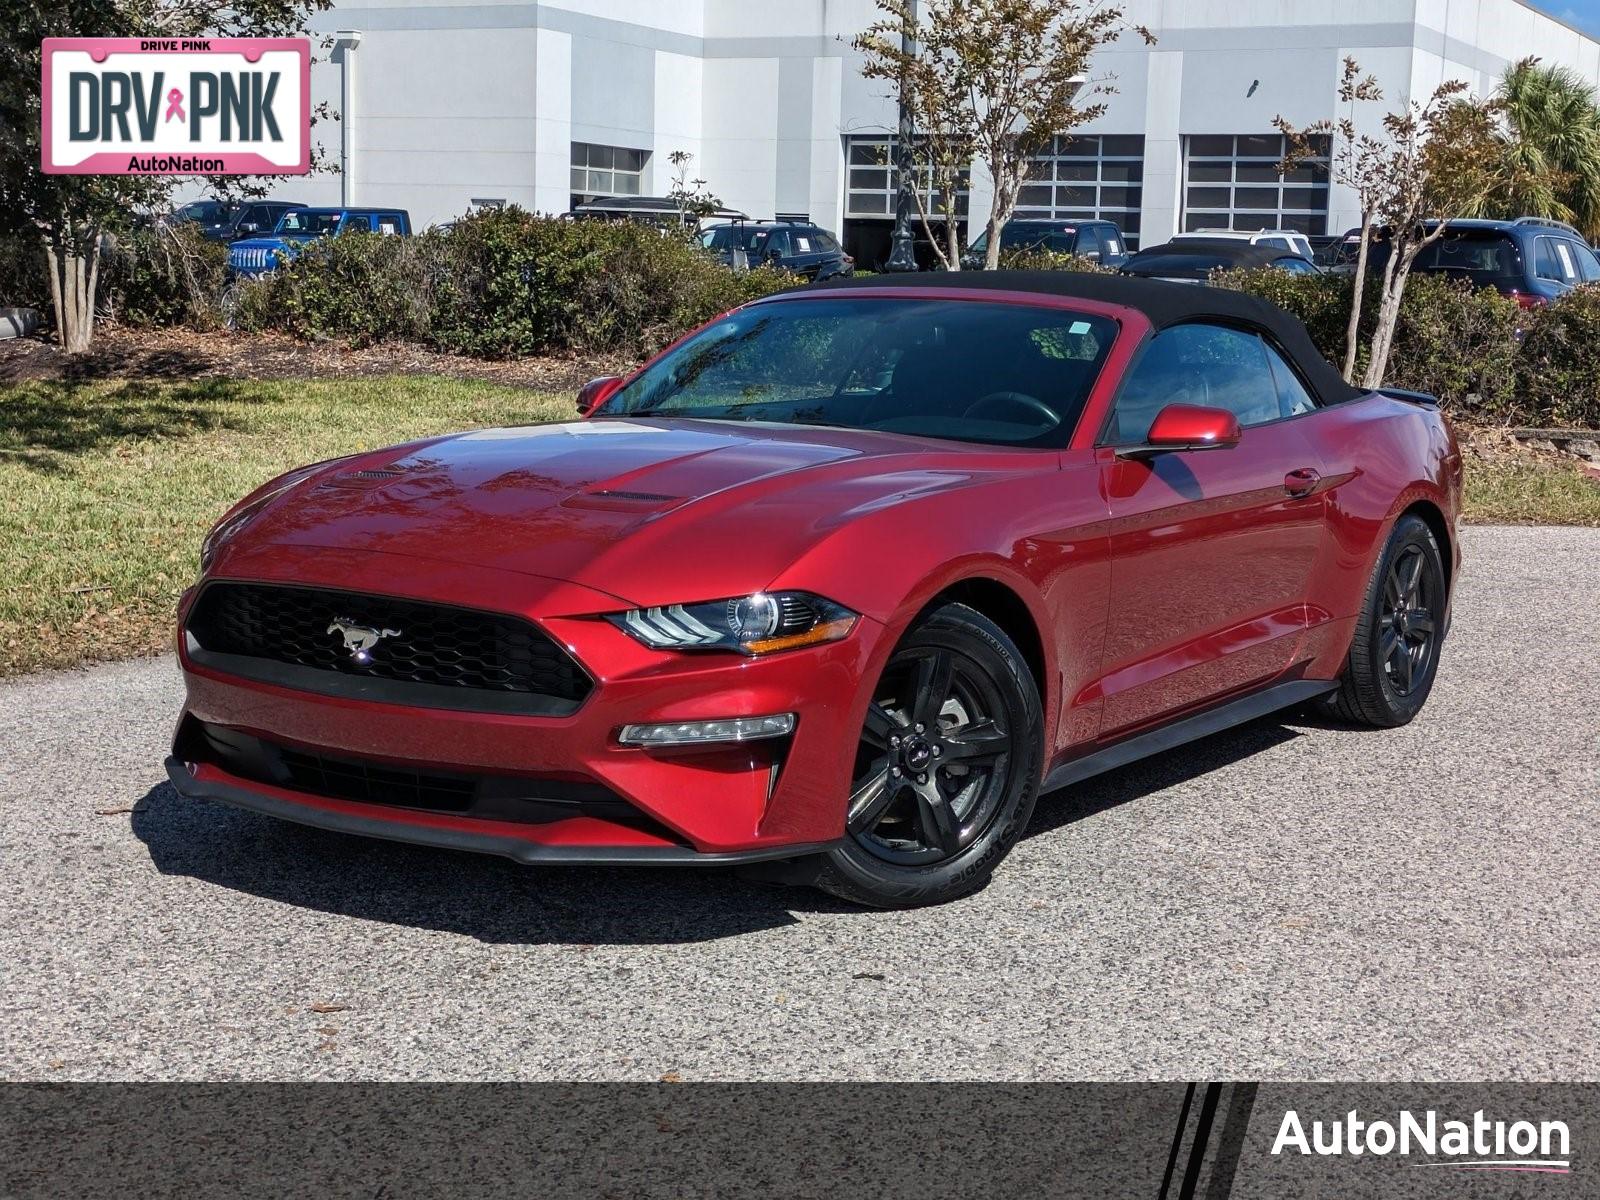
[756, 624]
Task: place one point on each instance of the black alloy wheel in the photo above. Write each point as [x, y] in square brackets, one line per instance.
[947, 767]
[1408, 622]
[934, 760]
[1394, 656]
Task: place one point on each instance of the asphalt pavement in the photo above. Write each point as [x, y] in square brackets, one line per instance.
[1286, 901]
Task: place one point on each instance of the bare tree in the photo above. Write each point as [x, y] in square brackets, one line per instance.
[1435, 162]
[1356, 160]
[995, 81]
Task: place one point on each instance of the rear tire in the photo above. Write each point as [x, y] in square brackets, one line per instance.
[947, 770]
[1394, 656]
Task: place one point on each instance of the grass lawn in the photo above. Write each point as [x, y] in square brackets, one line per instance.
[109, 487]
[1531, 492]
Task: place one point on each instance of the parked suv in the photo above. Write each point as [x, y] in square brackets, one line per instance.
[808, 250]
[300, 226]
[1098, 241]
[229, 220]
[1531, 259]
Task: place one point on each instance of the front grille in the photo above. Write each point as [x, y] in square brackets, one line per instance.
[434, 648]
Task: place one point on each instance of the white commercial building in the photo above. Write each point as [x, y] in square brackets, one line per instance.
[450, 104]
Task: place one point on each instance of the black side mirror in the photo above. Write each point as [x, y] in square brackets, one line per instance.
[596, 392]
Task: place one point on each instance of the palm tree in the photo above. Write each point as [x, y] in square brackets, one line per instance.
[1552, 144]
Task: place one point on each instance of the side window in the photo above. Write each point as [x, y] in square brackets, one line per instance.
[1546, 265]
[1113, 244]
[388, 224]
[1295, 265]
[1089, 242]
[803, 243]
[1293, 398]
[1196, 364]
[1569, 264]
[1588, 264]
[826, 241]
[777, 242]
[1278, 243]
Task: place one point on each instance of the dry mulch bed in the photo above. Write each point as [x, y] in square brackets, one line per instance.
[177, 354]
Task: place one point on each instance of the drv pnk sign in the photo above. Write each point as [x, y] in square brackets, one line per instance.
[176, 106]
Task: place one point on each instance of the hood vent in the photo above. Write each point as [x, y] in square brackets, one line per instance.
[371, 477]
[619, 500]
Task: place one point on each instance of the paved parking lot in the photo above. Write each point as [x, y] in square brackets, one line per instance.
[1282, 902]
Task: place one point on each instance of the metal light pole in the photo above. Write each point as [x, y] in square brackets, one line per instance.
[903, 255]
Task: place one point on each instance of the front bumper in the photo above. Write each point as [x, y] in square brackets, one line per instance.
[487, 837]
[777, 798]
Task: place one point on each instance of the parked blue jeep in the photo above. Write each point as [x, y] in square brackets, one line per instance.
[298, 227]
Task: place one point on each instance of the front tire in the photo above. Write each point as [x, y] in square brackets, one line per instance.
[947, 769]
[1394, 656]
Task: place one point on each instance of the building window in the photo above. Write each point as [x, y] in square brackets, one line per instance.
[1234, 182]
[1087, 178]
[872, 181]
[599, 171]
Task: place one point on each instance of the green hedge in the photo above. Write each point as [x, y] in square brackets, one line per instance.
[506, 283]
[359, 288]
[167, 275]
[148, 277]
[1558, 369]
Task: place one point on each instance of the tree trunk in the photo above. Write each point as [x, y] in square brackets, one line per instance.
[1352, 333]
[950, 261]
[74, 265]
[999, 213]
[1388, 314]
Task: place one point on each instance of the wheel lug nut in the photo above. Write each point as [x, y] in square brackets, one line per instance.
[895, 771]
[894, 741]
[937, 751]
[919, 728]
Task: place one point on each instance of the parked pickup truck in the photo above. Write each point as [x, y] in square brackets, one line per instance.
[298, 227]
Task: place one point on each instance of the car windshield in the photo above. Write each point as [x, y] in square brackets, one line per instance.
[1484, 256]
[315, 224]
[1021, 236]
[733, 237]
[207, 212]
[975, 371]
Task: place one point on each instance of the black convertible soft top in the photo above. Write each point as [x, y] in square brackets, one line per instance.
[1163, 304]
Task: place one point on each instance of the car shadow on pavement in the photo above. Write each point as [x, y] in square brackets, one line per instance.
[497, 901]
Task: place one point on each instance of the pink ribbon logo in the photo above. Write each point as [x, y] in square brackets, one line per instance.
[175, 105]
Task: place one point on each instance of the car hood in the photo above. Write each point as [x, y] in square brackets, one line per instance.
[649, 511]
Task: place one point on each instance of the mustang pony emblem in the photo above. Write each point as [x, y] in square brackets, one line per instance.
[359, 639]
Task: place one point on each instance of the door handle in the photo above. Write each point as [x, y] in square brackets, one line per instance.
[1301, 482]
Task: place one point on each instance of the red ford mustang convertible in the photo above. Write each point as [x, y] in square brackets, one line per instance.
[839, 585]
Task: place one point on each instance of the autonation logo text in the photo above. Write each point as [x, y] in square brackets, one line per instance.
[1480, 1144]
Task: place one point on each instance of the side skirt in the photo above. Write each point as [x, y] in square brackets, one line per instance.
[1204, 724]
